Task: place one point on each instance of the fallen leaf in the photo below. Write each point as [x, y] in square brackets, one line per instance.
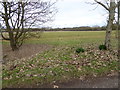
[55, 86]
[79, 69]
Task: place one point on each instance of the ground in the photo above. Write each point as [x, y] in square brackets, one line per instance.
[99, 82]
[26, 51]
[51, 59]
[110, 81]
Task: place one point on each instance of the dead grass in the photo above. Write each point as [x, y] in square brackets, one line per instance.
[26, 51]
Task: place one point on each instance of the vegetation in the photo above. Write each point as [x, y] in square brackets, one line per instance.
[78, 50]
[16, 16]
[57, 65]
[102, 47]
[110, 6]
[62, 63]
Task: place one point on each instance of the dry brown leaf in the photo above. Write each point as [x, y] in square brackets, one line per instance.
[55, 86]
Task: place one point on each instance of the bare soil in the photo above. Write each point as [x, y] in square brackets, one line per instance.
[26, 51]
[107, 81]
[98, 82]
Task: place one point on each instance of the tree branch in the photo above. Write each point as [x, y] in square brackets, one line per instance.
[4, 36]
[102, 5]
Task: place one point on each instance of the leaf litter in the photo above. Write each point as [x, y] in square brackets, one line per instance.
[62, 62]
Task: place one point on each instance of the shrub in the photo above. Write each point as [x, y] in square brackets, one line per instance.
[78, 50]
[102, 47]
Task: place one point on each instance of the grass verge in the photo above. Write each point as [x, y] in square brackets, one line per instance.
[58, 65]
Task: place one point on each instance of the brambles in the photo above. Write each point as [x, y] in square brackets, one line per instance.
[78, 50]
[102, 47]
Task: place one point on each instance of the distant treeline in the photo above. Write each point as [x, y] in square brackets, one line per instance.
[71, 29]
[84, 28]
[81, 29]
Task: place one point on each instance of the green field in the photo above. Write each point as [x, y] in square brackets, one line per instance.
[62, 63]
[71, 38]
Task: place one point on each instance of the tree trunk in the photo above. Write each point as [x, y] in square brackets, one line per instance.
[119, 30]
[13, 45]
[13, 41]
[109, 26]
[116, 33]
[108, 35]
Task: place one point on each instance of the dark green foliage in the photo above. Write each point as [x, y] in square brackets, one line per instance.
[102, 47]
[78, 50]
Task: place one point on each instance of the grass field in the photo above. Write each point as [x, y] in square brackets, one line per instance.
[69, 38]
[62, 63]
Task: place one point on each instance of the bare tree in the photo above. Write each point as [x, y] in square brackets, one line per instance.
[118, 30]
[18, 17]
[110, 6]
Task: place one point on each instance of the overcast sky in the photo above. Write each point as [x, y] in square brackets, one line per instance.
[75, 13]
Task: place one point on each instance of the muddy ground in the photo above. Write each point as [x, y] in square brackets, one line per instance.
[26, 51]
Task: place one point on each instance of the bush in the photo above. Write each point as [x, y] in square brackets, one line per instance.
[102, 47]
[78, 50]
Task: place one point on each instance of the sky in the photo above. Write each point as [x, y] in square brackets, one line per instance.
[76, 13]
